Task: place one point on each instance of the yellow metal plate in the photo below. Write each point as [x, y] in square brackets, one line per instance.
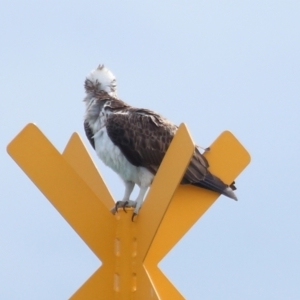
[227, 159]
[129, 251]
[64, 188]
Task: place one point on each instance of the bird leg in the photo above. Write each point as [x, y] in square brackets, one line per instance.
[129, 185]
[139, 201]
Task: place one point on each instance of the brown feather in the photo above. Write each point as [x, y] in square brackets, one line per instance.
[144, 137]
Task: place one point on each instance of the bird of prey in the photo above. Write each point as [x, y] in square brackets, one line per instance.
[133, 141]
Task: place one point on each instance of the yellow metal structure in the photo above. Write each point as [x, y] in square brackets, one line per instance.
[129, 251]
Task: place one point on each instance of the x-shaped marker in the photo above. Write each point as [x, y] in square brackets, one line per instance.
[129, 251]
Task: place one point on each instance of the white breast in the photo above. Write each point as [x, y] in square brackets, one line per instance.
[112, 156]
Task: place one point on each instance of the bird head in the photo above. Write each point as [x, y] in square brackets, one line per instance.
[101, 79]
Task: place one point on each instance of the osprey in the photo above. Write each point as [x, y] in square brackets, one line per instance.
[133, 141]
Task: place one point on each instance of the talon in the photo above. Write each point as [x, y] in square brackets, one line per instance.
[133, 215]
[121, 204]
[124, 206]
[116, 206]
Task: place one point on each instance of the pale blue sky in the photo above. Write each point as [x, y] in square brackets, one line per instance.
[215, 65]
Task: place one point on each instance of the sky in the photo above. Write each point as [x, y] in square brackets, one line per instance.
[214, 65]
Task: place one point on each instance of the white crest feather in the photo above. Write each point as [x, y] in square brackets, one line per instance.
[105, 78]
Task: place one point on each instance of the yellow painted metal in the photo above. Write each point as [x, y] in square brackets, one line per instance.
[163, 187]
[227, 158]
[129, 251]
[63, 187]
[158, 199]
[73, 198]
[77, 156]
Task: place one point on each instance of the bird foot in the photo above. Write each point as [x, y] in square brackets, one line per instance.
[133, 215]
[123, 204]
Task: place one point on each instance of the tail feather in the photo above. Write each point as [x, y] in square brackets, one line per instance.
[215, 184]
[229, 193]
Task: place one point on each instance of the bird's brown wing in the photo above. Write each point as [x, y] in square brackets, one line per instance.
[142, 135]
[144, 138]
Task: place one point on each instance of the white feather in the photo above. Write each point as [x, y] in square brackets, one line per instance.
[113, 157]
[106, 79]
